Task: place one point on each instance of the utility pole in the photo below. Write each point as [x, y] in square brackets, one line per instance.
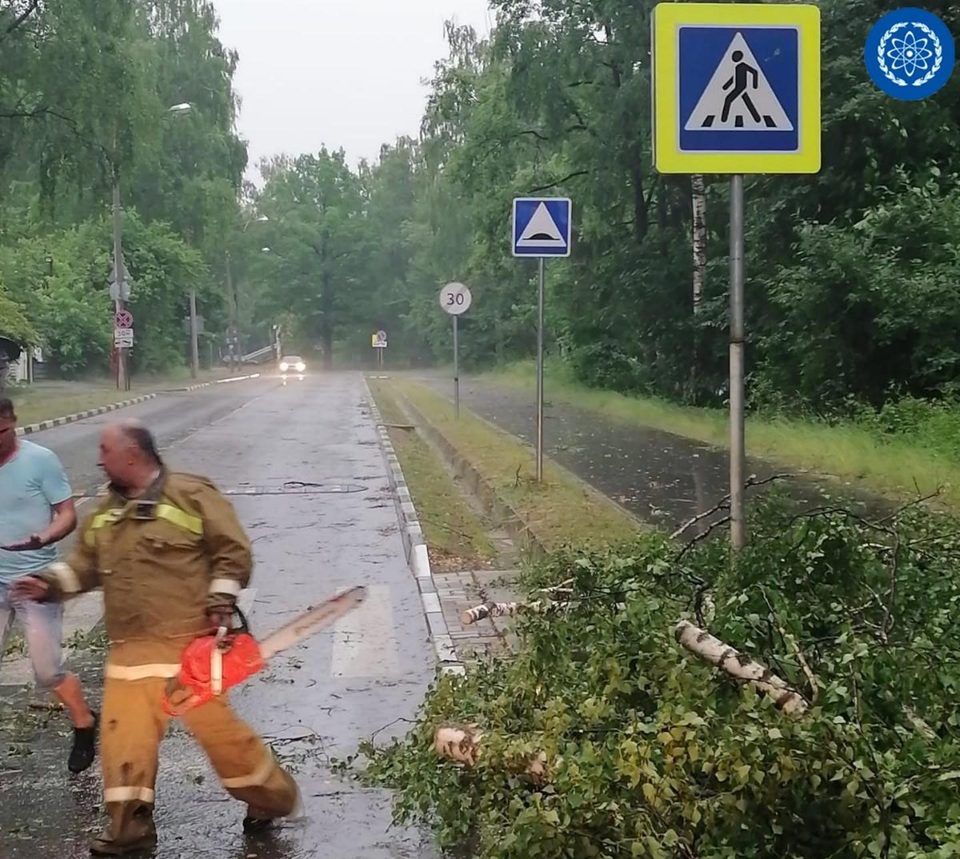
[233, 341]
[194, 347]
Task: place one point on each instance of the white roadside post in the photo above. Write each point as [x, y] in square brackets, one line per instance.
[455, 299]
[736, 90]
[541, 228]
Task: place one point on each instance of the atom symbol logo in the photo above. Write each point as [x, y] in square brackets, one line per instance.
[909, 54]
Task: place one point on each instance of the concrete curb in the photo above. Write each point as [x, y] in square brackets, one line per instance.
[415, 550]
[200, 385]
[79, 416]
[100, 410]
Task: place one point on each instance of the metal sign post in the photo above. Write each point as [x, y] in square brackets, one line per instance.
[738, 527]
[379, 343]
[754, 107]
[541, 228]
[541, 281]
[455, 299]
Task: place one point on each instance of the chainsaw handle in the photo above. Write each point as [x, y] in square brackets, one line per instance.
[244, 625]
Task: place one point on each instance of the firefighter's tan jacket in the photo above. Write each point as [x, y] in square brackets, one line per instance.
[161, 559]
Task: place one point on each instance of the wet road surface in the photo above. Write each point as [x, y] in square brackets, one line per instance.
[658, 476]
[172, 417]
[303, 467]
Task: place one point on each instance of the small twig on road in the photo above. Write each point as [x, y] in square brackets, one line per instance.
[47, 708]
[313, 735]
[390, 725]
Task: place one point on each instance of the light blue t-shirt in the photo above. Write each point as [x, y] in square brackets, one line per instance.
[30, 484]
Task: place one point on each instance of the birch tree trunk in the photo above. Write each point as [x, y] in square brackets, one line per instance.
[699, 199]
[699, 190]
[742, 668]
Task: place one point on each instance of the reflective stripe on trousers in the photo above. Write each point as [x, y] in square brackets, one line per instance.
[132, 726]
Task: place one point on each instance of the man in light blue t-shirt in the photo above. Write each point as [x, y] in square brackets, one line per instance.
[36, 510]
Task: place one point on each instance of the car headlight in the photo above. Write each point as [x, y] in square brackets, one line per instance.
[301, 367]
[283, 367]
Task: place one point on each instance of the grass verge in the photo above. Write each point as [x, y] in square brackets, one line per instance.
[456, 536]
[52, 399]
[894, 467]
[560, 511]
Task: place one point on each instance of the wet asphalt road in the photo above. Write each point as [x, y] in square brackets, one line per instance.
[303, 467]
[658, 476]
[170, 416]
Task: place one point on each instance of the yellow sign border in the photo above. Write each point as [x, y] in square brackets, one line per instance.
[667, 156]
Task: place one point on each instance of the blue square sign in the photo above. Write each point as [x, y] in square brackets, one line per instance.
[739, 89]
[541, 227]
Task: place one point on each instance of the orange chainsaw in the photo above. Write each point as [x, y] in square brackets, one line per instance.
[214, 663]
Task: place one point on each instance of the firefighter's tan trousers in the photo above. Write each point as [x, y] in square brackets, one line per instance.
[132, 726]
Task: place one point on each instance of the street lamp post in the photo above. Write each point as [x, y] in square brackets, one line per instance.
[233, 296]
[119, 270]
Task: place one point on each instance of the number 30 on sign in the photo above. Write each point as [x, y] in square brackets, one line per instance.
[455, 298]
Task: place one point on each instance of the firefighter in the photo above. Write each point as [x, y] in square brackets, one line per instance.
[171, 556]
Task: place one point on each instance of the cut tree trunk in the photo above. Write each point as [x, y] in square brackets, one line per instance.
[461, 743]
[742, 668]
[494, 609]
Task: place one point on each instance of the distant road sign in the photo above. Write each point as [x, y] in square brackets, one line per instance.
[736, 88]
[379, 340]
[541, 226]
[455, 298]
[123, 319]
[123, 338]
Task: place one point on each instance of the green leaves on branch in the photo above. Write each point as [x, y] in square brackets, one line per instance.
[649, 752]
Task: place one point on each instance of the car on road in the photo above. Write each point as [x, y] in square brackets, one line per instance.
[292, 365]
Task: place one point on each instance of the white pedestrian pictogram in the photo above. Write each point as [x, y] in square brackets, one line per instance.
[738, 97]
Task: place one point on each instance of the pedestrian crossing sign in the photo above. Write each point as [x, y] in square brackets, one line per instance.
[736, 88]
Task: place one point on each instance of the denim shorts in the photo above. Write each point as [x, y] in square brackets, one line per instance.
[42, 629]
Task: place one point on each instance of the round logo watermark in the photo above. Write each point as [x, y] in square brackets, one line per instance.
[909, 54]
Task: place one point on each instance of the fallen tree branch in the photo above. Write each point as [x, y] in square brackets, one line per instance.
[564, 587]
[495, 609]
[919, 725]
[791, 642]
[742, 668]
[724, 503]
[461, 743]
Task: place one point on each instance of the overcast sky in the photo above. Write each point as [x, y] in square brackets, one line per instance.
[336, 72]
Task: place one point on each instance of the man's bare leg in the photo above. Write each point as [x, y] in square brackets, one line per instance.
[70, 694]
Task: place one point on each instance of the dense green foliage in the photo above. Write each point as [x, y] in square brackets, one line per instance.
[85, 92]
[850, 272]
[652, 753]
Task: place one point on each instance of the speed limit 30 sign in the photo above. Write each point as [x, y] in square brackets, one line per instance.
[455, 298]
